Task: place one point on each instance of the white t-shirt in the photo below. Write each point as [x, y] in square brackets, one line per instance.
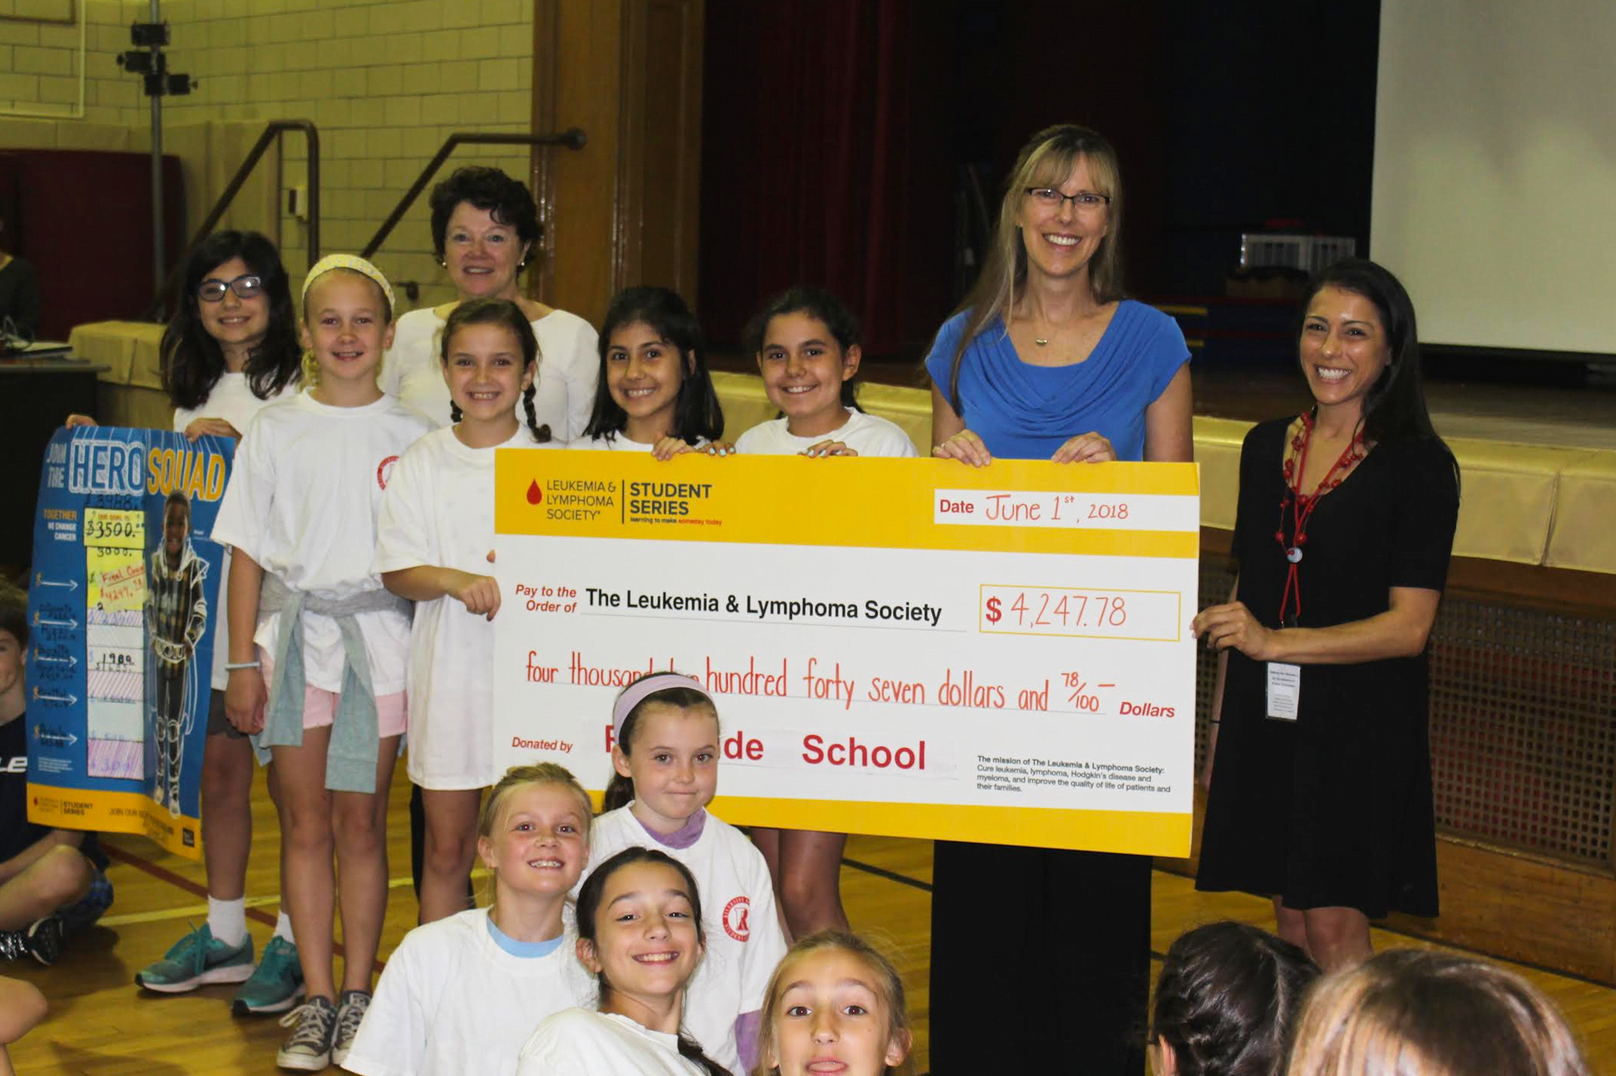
[868, 435]
[302, 502]
[569, 367]
[582, 1042]
[232, 400]
[744, 942]
[439, 510]
[619, 443]
[451, 1001]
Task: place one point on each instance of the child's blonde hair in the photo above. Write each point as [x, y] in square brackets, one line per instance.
[517, 777]
[885, 980]
[1438, 1014]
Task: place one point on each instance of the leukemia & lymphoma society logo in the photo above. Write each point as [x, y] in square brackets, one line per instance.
[735, 916]
[384, 471]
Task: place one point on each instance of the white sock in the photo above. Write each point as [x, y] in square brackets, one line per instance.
[227, 920]
[283, 927]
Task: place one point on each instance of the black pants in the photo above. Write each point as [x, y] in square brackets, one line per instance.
[1040, 960]
[418, 847]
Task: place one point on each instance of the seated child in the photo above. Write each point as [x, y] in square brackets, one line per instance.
[462, 994]
[640, 933]
[1226, 1001]
[52, 881]
[834, 1005]
[1436, 1014]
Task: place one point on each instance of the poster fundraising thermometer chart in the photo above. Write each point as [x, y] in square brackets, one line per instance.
[903, 647]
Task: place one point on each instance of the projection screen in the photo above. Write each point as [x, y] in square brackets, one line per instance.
[1494, 193]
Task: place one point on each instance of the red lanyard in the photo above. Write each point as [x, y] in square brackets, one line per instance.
[1301, 508]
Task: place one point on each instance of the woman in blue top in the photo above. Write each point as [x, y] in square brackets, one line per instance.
[1047, 360]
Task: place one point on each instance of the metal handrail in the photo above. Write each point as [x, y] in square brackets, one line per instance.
[571, 138]
[272, 130]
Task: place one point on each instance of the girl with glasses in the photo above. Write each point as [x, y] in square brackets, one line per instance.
[230, 349]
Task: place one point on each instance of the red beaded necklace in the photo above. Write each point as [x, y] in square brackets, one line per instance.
[1299, 506]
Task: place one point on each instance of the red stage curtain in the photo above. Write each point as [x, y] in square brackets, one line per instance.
[805, 117]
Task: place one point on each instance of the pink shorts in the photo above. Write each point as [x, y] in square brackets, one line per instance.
[320, 705]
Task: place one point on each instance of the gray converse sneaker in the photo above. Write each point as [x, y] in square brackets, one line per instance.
[350, 1012]
[308, 1048]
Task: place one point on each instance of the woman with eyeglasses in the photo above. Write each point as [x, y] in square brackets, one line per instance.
[1046, 359]
[485, 228]
[230, 349]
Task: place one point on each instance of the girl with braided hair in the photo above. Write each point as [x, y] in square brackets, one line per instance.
[1227, 1001]
[435, 536]
[640, 933]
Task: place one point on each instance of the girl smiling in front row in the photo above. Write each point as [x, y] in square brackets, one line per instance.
[835, 1005]
[666, 758]
[463, 994]
[640, 933]
[433, 546]
[654, 393]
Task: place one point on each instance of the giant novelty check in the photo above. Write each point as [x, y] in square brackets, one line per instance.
[905, 647]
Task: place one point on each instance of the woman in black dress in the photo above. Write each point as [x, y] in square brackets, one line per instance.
[1321, 788]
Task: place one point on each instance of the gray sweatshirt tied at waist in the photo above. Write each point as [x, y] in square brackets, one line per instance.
[350, 761]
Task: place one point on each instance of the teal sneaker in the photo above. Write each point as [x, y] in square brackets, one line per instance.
[197, 960]
[276, 985]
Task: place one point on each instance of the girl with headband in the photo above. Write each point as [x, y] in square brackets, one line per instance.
[317, 647]
[665, 751]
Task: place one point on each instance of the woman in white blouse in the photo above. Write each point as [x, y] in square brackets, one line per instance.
[484, 227]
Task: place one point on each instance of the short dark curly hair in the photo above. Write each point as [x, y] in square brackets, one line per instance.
[505, 199]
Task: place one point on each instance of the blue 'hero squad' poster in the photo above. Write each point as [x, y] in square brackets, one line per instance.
[122, 609]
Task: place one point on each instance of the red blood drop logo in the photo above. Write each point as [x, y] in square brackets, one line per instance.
[534, 493]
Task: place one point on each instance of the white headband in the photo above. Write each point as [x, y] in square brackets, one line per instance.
[355, 263]
[636, 692]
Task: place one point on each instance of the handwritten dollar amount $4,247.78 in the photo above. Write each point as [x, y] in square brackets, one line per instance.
[1153, 615]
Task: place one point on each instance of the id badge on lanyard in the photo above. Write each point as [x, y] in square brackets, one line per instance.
[1284, 690]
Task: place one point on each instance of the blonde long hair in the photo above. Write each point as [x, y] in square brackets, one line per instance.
[1045, 161]
[1436, 1014]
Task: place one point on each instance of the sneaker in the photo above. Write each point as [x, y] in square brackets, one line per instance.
[45, 940]
[349, 1013]
[308, 1049]
[276, 985]
[42, 941]
[196, 960]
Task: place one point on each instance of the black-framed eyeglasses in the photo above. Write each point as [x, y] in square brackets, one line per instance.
[1083, 200]
[249, 286]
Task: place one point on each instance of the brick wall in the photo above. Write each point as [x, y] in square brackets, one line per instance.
[39, 60]
[384, 80]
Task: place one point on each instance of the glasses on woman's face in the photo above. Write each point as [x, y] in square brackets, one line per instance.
[246, 287]
[1085, 201]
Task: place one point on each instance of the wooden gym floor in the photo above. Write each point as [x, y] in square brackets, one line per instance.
[101, 1024]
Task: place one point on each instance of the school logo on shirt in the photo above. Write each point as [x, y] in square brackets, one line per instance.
[735, 918]
[384, 471]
